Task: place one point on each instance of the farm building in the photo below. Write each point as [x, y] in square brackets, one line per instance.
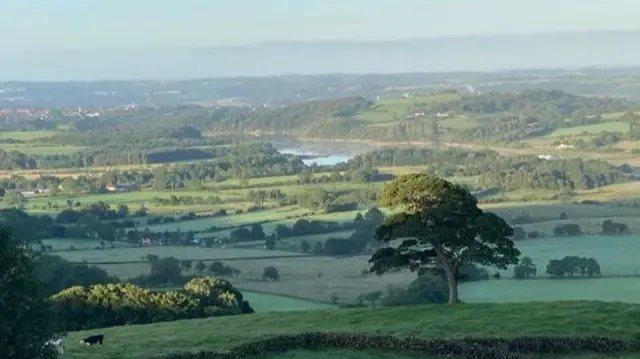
[122, 188]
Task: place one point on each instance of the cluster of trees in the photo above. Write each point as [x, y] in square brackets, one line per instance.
[569, 229]
[13, 160]
[610, 227]
[359, 242]
[502, 117]
[525, 269]
[56, 274]
[567, 266]
[572, 266]
[187, 200]
[513, 173]
[261, 196]
[342, 173]
[495, 171]
[337, 200]
[104, 305]
[305, 227]
[243, 234]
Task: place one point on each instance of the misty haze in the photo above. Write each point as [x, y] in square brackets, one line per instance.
[361, 179]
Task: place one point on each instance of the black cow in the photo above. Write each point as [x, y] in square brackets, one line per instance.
[92, 339]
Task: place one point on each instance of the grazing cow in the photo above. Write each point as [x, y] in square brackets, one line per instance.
[92, 339]
[57, 344]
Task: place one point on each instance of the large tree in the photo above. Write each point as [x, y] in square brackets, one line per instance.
[26, 314]
[439, 226]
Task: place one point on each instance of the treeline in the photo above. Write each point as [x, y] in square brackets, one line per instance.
[116, 155]
[568, 266]
[359, 242]
[238, 162]
[86, 297]
[335, 200]
[501, 116]
[495, 171]
[244, 162]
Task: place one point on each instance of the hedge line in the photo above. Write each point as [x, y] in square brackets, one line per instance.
[493, 348]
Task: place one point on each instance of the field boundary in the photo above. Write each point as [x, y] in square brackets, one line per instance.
[238, 284]
[204, 259]
[468, 348]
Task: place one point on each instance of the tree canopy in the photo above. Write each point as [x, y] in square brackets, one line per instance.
[26, 314]
[439, 226]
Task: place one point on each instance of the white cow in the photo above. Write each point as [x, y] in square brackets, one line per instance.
[57, 344]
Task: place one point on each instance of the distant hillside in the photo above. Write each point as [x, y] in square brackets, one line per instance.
[449, 115]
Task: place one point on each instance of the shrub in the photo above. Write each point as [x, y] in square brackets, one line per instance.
[271, 273]
[519, 234]
[610, 227]
[569, 229]
[533, 234]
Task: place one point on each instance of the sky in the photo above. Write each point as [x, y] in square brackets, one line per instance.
[63, 25]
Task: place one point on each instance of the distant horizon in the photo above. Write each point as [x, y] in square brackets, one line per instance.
[578, 68]
[445, 54]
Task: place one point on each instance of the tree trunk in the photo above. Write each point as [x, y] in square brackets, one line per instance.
[452, 283]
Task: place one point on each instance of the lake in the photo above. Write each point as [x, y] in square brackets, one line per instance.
[317, 158]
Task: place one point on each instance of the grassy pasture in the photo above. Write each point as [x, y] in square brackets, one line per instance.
[63, 244]
[616, 320]
[315, 278]
[552, 211]
[232, 220]
[269, 227]
[26, 135]
[41, 150]
[137, 253]
[383, 110]
[459, 123]
[114, 199]
[262, 302]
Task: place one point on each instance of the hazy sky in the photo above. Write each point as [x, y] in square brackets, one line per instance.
[94, 24]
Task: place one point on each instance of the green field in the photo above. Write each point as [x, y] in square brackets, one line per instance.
[232, 220]
[613, 126]
[63, 244]
[123, 255]
[262, 303]
[437, 321]
[383, 110]
[26, 135]
[41, 150]
[316, 278]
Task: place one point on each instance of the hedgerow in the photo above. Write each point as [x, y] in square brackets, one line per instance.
[100, 306]
[470, 348]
